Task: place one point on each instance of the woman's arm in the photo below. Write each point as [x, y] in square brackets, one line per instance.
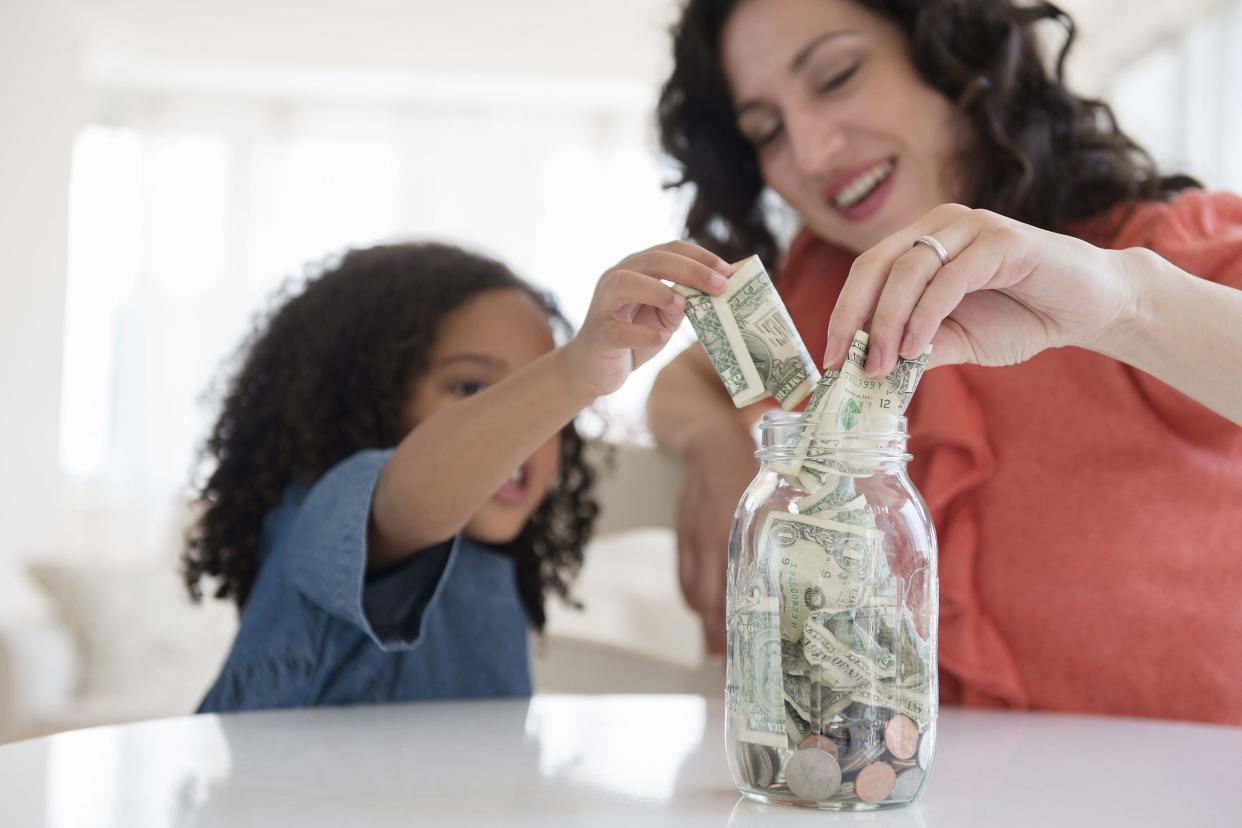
[1008, 291]
[1183, 330]
[691, 415]
[688, 399]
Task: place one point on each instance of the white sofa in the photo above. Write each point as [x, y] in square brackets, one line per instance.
[97, 644]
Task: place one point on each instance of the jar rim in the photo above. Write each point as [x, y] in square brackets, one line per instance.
[867, 425]
[880, 436]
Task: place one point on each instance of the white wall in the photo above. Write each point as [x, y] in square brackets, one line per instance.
[40, 109]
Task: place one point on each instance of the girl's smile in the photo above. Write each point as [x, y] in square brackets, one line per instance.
[516, 489]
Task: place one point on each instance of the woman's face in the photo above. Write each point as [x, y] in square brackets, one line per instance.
[846, 130]
[485, 340]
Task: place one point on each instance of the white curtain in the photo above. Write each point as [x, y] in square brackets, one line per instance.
[188, 212]
[1182, 99]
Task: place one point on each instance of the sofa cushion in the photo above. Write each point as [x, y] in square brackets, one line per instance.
[142, 643]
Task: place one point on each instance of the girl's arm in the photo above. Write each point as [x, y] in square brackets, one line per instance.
[457, 458]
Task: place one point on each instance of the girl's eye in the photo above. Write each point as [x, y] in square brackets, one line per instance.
[466, 388]
[837, 81]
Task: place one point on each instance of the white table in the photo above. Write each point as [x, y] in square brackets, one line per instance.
[644, 761]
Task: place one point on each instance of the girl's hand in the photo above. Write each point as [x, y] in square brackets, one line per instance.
[1007, 292]
[633, 314]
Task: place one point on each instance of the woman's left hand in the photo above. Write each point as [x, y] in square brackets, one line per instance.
[1007, 292]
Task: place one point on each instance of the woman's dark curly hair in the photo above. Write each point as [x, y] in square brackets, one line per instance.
[1040, 154]
[326, 375]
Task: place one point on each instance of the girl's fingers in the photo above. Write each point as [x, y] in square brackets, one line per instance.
[660, 263]
[622, 286]
[868, 275]
[658, 317]
[700, 254]
[633, 335]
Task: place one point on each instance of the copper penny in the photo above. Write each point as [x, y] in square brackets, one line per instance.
[821, 742]
[875, 782]
[901, 736]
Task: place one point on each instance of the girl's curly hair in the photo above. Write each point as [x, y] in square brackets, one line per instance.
[325, 376]
[1041, 154]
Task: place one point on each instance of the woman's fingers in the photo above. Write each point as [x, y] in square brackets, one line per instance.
[887, 280]
[968, 272]
[905, 317]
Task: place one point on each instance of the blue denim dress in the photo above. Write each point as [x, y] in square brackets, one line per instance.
[318, 629]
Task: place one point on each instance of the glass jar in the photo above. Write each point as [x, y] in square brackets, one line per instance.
[832, 605]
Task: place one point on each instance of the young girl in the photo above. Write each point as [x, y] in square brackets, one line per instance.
[396, 480]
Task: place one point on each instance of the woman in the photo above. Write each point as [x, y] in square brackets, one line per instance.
[1086, 506]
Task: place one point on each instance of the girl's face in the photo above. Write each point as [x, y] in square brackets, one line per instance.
[845, 129]
[485, 340]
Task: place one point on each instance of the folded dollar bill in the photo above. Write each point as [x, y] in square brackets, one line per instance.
[750, 339]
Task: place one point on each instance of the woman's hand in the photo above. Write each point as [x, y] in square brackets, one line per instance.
[1007, 292]
[718, 467]
[633, 314]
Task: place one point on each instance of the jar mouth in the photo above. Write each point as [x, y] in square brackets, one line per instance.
[872, 424]
[786, 454]
[880, 436]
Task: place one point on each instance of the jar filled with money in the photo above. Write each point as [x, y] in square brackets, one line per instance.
[831, 688]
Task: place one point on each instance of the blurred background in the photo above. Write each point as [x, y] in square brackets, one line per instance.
[165, 166]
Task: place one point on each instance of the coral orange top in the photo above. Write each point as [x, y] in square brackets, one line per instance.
[1089, 516]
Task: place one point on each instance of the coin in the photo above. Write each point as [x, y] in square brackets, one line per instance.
[866, 745]
[813, 775]
[821, 743]
[875, 782]
[837, 731]
[907, 785]
[757, 765]
[901, 735]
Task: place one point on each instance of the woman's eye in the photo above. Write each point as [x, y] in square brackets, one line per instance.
[837, 81]
[766, 138]
[466, 388]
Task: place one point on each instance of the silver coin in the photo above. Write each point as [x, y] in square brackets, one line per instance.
[866, 745]
[862, 757]
[757, 764]
[813, 775]
[907, 785]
